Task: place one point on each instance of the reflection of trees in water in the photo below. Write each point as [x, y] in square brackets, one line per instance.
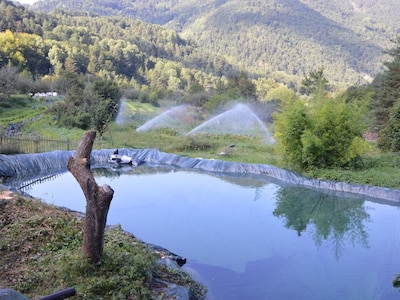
[335, 219]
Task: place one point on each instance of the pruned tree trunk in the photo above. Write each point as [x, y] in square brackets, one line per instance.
[98, 199]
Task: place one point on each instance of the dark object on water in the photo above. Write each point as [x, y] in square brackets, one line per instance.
[116, 158]
[228, 150]
[60, 295]
[396, 281]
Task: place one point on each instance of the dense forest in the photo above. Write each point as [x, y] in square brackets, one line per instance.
[284, 39]
[129, 51]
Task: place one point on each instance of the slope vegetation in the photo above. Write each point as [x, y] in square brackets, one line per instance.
[281, 38]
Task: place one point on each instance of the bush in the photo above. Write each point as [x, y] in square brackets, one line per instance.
[290, 125]
[325, 133]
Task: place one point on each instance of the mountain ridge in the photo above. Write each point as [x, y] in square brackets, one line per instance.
[274, 37]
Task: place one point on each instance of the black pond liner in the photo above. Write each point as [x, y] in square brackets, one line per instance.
[22, 167]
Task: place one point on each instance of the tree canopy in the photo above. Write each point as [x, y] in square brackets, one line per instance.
[387, 98]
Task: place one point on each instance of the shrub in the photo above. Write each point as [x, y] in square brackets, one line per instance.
[290, 125]
[325, 133]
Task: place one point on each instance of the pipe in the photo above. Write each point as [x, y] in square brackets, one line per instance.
[60, 295]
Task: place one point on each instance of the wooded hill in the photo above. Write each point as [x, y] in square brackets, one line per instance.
[128, 51]
[284, 39]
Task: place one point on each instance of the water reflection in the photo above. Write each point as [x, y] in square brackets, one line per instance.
[26, 183]
[335, 220]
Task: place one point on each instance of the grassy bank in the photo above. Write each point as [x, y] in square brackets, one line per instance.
[40, 253]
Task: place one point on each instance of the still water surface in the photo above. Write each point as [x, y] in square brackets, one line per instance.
[249, 238]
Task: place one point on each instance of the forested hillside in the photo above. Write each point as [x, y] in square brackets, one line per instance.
[129, 51]
[284, 39]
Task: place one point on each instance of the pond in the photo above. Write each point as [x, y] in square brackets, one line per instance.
[249, 237]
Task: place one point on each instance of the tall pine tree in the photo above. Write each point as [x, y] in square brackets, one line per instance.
[387, 98]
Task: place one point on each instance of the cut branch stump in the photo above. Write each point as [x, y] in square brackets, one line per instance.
[98, 199]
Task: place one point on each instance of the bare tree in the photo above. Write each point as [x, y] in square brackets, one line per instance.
[98, 199]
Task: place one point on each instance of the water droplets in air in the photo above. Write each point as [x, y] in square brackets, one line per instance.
[172, 118]
[121, 117]
[239, 120]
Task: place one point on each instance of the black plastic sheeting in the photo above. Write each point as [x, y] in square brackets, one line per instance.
[35, 165]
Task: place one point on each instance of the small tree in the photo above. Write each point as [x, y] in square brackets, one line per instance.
[315, 81]
[334, 138]
[87, 107]
[290, 125]
[103, 104]
[240, 86]
[324, 133]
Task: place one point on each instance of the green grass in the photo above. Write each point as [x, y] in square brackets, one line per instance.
[20, 108]
[379, 169]
[45, 126]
